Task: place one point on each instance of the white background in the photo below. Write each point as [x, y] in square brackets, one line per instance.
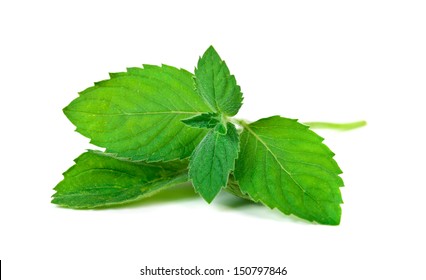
[312, 60]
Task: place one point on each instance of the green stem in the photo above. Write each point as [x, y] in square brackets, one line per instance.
[315, 125]
[337, 126]
[240, 122]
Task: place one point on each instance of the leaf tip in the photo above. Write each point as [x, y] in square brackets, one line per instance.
[67, 111]
[208, 197]
[334, 222]
[211, 49]
[210, 52]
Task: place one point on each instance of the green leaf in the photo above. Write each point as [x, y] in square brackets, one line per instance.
[221, 128]
[212, 162]
[206, 120]
[137, 114]
[284, 165]
[99, 179]
[216, 85]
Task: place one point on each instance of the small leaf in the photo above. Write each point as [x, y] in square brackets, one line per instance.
[206, 120]
[98, 180]
[216, 85]
[221, 128]
[212, 162]
[137, 114]
[285, 165]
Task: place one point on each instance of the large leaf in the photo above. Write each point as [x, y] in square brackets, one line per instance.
[137, 114]
[285, 165]
[212, 162]
[216, 85]
[99, 179]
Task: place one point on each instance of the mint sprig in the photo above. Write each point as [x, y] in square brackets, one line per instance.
[162, 126]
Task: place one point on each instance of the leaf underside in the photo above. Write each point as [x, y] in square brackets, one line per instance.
[98, 180]
[212, 162]
[285, 165]
[137, 114]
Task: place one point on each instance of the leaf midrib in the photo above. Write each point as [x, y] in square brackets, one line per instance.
[139, 113]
